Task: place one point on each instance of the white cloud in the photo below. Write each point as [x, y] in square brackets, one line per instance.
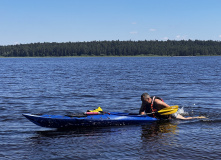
[133, 32]
[219, 36]
[15, 43]
[165, 38]
[152, 30]
[134, 22]
[181, 37]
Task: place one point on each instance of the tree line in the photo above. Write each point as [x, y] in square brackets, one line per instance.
[114, 48]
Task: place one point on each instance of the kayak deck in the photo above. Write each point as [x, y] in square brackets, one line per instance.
[107, 119]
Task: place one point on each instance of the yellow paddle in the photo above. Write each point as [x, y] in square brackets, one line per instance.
[168, 110]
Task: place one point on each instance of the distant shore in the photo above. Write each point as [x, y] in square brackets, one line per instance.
[114, 49]
[108, 56]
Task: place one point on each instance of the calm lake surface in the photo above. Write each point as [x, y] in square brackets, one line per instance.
[74, 85]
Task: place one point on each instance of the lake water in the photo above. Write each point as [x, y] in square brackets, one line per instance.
[74, 85]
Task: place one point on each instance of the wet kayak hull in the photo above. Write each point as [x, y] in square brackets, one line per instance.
[110, 119]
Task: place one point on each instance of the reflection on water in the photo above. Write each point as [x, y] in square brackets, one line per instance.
[130, 139]
[158, 129]
[155, 129]
[158, 139]
[77, 132]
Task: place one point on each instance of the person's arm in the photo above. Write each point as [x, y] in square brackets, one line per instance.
[161, 104]
[142, 113]
[142, 110]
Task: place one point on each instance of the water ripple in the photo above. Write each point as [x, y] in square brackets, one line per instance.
[74, 85]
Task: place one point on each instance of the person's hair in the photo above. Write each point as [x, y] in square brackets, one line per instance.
[144, 96]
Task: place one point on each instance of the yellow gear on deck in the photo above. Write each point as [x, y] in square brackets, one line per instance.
[96, 110]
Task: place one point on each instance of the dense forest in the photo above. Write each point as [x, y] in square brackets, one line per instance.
[114, 48]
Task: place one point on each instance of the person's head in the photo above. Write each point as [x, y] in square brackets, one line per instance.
[145, 97]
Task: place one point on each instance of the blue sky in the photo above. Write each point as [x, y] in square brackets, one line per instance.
[32, 21]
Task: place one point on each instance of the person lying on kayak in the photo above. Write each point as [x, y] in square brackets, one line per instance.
[153, 104]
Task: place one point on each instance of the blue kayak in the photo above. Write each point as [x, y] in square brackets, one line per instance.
[106, 119]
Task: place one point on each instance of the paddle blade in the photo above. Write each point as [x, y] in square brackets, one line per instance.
[169, 110]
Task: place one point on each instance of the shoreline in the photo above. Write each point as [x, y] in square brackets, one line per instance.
[108, 56]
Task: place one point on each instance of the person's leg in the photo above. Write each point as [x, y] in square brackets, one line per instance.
[186, 118]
